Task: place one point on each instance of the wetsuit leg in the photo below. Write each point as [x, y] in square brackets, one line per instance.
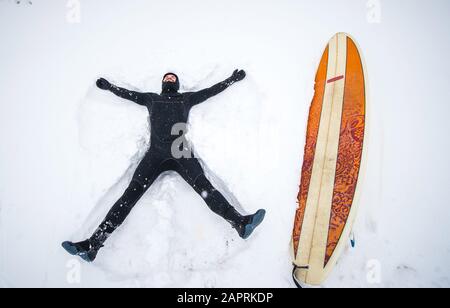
[146, 173]
[192, 172]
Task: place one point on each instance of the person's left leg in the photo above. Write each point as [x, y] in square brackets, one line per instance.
[192, 172]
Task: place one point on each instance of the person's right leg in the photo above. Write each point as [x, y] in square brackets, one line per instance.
[146, 173]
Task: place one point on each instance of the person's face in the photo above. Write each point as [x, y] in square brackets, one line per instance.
[170, 78]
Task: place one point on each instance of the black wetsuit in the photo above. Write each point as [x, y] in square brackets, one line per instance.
[166, 110]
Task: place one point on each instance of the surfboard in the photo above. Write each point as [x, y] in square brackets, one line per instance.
[332, 162]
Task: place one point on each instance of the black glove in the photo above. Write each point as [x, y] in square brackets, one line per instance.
[103, 84]
[238, 75]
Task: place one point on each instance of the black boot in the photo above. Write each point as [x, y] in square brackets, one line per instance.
[84, 250]
[245, 225]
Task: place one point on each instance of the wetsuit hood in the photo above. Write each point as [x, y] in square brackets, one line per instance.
[170, 87]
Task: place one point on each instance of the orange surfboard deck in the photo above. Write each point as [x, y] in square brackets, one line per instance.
[334, 153]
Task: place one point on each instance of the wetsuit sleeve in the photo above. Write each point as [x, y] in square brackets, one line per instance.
[137, 97]
[199, 97]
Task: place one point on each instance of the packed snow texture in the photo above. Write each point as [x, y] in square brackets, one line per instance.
[68, 149]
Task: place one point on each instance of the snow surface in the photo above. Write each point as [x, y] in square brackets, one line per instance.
[69, 149]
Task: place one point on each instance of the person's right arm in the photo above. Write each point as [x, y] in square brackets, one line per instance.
[137, 97]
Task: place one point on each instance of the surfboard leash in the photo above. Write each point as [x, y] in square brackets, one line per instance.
[296, 267]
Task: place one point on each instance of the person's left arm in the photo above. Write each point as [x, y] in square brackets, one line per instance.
[201, 96]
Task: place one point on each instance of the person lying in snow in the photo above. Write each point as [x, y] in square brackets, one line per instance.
[168, 109]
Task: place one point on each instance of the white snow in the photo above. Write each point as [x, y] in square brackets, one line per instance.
[68, 149]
